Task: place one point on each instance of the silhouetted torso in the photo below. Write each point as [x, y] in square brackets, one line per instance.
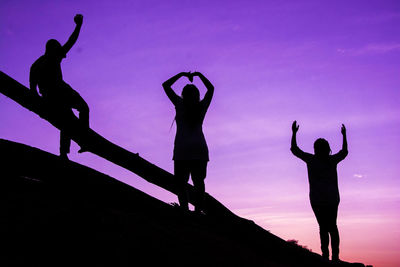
[190, 143]
[47, 72]
[322, 176]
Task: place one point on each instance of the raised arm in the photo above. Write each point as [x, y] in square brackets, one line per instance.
[341, 155]
[78, 19]
[167, 85]
[294, 148]
[210, 88]
[344, 145]
[295, 129]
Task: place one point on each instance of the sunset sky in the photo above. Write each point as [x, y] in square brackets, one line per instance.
[322, 63]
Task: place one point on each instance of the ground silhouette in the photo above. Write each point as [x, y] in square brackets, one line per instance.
[57, 213]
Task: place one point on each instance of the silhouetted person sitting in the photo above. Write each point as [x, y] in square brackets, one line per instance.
[46, 74]
[324, 191]
[190, 147]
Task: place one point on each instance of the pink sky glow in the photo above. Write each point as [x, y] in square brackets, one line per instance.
[322, 63]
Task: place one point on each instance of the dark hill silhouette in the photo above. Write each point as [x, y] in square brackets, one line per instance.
[58, 213]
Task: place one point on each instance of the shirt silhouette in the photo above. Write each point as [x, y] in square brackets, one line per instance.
[322, 175]
[46, 74]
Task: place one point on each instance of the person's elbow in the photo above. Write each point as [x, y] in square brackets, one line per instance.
[166, 86]
[345, 152]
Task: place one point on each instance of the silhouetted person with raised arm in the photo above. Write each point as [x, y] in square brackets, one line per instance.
[46, 74]
[190, 147]
[324, 191]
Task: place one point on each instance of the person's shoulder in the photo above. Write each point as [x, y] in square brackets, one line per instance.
[310, 157]
[178, 102]
[42, 58]
[39, 62]
[341, 155]
[204, 104]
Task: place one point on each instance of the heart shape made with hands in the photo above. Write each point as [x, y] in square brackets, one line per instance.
[190, 77]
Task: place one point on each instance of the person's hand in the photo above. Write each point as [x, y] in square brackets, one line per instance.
[189, 75]
[343, 130]
[185, 73]
[78, 19]
[295, 127]
[196, 73]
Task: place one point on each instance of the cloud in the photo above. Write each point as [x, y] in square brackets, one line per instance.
[378, 18]
[371, 49]
[379, 48]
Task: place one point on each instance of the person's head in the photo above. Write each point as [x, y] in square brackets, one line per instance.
[322, 148]
[190, 94]
[54, 49]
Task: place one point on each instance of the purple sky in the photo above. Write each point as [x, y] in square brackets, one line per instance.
[321, 63]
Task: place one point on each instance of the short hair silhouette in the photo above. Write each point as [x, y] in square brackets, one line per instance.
[54, 49]
[190, 94]
[322, 148]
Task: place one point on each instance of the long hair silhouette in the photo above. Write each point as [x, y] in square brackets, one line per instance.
[191, 101]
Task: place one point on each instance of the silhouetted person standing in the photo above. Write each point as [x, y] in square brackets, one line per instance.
[190, 147]
[324, 191]
[46, 74]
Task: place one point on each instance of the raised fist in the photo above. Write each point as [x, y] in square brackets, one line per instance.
[295, 127]
[190, 77]
[78, 19]
[343, 129]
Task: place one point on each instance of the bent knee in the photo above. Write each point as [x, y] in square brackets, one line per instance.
[85, 107]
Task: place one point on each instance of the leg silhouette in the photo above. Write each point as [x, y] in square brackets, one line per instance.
[65, 143]
[334, 232]
[322, 219]
[326, 216]
[182, 173]
[199, 173]
[79, 104]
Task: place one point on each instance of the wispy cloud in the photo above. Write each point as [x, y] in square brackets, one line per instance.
[377, 18]
[371, 49]
[379, 48]
[382, 194]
